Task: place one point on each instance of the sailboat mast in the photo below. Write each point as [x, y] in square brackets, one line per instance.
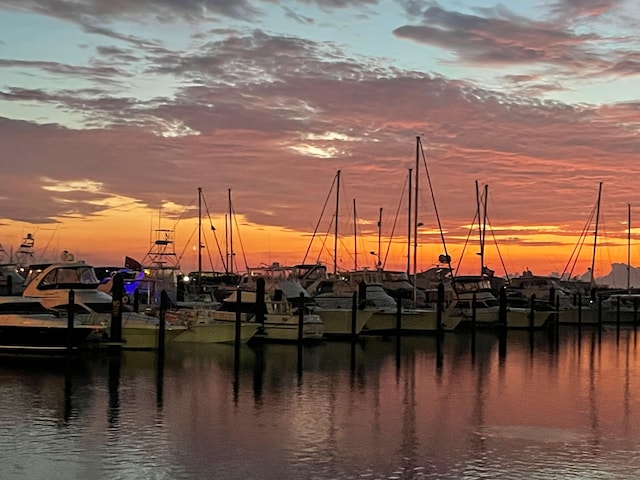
[230, 234]
[335, 235]
[595, 235]
[484, 222]
[479, 228]
[628, 247]
[355, 236]
[226, 244]
[415, 215]
[379, 265]
[199, 235]
[409, 228]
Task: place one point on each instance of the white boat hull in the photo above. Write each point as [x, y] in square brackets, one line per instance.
[220, 332]
[337, 322]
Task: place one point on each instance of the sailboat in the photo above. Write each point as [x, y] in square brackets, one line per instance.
[421, 319]
[583, 307]
[372, 284]
[474, 293]
[205, 322]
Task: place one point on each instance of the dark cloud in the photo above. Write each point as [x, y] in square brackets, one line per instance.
[101, 73]
[339, 3]
[120, 55]
[87, 12]
[500, 39]
[92, 13]
[629, 64]
[303, 19]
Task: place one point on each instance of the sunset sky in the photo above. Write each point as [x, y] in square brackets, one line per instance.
[113, 113]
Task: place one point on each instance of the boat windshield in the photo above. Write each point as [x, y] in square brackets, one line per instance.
[82, 276]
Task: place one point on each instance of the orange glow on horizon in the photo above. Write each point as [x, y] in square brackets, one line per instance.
[103, 240]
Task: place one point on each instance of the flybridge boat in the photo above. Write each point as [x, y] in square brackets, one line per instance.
[27, 326]
[50, 284]
[382, 310]
[280, 318]
[487, 306]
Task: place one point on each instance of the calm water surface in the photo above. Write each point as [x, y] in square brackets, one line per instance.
[533, 407]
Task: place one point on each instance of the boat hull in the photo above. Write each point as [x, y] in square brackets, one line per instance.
[411, 321]
[516, 318]
[141, 337]
[220, 332]
[43, 335]
[338, 322]
[575, 316]
[139, 332]
[289, 333]
[427, 321]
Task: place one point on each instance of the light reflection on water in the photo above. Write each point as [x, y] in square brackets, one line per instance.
[534, 407]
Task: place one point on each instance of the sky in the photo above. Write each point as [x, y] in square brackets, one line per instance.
[113, 114]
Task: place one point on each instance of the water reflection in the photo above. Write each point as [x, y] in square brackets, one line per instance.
[524, 405]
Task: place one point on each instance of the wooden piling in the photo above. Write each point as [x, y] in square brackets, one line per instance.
[261, 308]
[532, 312]
[115, 332]
[502, 313]
[70, 320]
[580, 310]
[238, 321]
[300, 319]
[354, 314]
[599, 311]
[300, 333]
[164, 306]
[502, 335]
[439, 310]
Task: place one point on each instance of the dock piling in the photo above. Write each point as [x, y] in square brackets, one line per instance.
[115, 333]
[70, 320]
[354, 313]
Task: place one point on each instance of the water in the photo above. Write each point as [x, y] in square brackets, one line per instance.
[534, 407]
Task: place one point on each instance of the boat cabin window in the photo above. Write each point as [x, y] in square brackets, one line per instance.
[69, 277]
